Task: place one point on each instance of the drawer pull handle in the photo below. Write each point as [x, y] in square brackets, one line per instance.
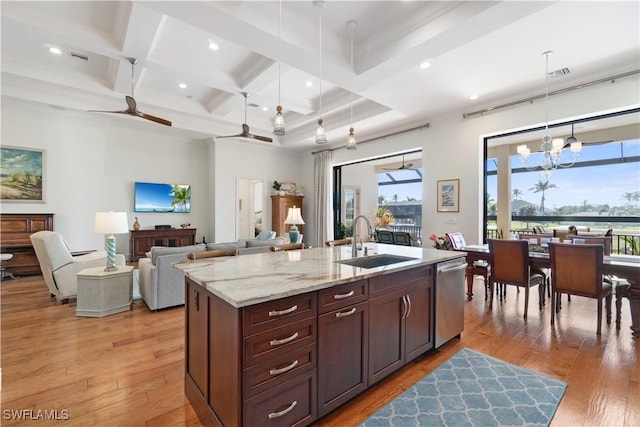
[346, 313]
[275, 313]
[285, 369]
[342, 296]
[284, 411]
[284, 340]
[409, 308]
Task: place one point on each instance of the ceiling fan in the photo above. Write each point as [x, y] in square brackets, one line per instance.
[245, 127]
[407, 166]
[132, 109]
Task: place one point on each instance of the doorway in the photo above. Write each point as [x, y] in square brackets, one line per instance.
[249, 215]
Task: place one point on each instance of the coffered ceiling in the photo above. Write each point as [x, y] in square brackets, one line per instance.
[489, 49]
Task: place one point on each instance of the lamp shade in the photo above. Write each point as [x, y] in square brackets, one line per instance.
[111, 223]
[294, 216]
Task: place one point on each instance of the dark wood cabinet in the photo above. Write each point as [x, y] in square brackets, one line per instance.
[16, 230]
[288, 362]
[141, 241]
[400, 320]
[280, 208]
[196, 333]
[342, 356]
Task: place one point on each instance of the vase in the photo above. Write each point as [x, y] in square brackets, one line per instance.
[136, 225]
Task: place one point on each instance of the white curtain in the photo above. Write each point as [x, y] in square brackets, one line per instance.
[322, 194]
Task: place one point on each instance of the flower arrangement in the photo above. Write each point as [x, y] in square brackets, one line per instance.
[440, 241]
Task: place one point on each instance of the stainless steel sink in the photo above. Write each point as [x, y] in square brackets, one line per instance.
[376, 260]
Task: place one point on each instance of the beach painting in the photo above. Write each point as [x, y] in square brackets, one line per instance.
[21, 174]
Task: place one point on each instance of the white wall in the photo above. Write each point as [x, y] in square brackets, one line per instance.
[92, 162]
[235, 159]
[452, 148]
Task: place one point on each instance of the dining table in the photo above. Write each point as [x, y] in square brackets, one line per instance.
[620, 267]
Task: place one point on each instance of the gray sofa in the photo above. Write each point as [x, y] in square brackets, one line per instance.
[162, 286]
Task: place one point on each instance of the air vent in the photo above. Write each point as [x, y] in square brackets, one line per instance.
[251, 104]
[559, 73]
[79, 56]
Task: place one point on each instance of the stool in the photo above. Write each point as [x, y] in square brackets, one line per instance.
[4, 274]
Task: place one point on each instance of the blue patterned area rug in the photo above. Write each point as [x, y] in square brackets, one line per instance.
[473, 389]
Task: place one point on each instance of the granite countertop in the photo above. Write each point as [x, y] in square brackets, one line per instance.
[254, 278]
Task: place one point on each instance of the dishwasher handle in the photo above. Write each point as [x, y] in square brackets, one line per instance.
[450, 269]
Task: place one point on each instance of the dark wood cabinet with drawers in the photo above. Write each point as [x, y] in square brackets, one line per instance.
[16, 229]
[141, 241]
[290, 361]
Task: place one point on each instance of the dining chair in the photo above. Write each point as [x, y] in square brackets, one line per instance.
[478, 268]
[212, 253]
[510, 266]
[338, 242]
[605, 241]
[287, 247]
[384, 236]
[562, 234]
[577, 270]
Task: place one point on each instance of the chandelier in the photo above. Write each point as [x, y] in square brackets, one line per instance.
[551, 148]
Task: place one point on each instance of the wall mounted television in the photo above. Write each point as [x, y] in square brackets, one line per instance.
[159, 198]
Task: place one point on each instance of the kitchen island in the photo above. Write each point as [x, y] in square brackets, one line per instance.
[284, 338]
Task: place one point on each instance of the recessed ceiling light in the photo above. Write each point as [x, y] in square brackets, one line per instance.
[213, 45]
[55, 50]
[265, 108]
[182, 85]
[473, 97]
[425, 65]
[308, 83]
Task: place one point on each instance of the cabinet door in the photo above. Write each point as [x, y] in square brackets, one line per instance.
[342, 356]
[418, 321]
[386, 334]
[197, 355]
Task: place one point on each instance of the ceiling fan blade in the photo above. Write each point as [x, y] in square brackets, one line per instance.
[154, 118]
[110, 111]
[131, 102]
[246, 134]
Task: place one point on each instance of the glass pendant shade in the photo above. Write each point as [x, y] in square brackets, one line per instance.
[321, 138]
[278, 124]
[351, 140]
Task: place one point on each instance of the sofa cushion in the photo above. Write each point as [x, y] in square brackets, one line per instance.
[266, 235]
[160, 251]
[272, 242]
[227, 245]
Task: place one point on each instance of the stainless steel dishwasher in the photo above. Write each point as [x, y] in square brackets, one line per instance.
[450, 294]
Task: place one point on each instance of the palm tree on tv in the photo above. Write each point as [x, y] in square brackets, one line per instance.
[181, 195]
[541, 187]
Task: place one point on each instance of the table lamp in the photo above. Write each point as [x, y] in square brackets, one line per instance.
[294, 217]
[111, 223]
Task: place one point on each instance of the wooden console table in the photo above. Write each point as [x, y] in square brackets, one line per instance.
[141, 241]
[16, 230]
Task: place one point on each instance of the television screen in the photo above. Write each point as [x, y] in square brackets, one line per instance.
[152, 197]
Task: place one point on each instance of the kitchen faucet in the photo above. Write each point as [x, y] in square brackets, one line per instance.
[354, 244]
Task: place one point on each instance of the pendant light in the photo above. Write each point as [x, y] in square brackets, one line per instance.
[278, 124]
[551, 148]
[351, 139]
[321, 138]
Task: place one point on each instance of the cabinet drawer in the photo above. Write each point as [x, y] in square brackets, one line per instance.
[273, 372]
[272, 314]
[292, 403]
[341, 296]
[273, 343]
[387, 283]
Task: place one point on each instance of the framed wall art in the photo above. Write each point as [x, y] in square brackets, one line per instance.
[22, 177]
[449, 195]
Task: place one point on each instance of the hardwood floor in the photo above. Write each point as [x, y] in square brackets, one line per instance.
[128, 369]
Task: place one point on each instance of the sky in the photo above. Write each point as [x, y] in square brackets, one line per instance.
[574, 185]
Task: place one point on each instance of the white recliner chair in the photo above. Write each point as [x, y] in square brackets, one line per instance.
[59, 267]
